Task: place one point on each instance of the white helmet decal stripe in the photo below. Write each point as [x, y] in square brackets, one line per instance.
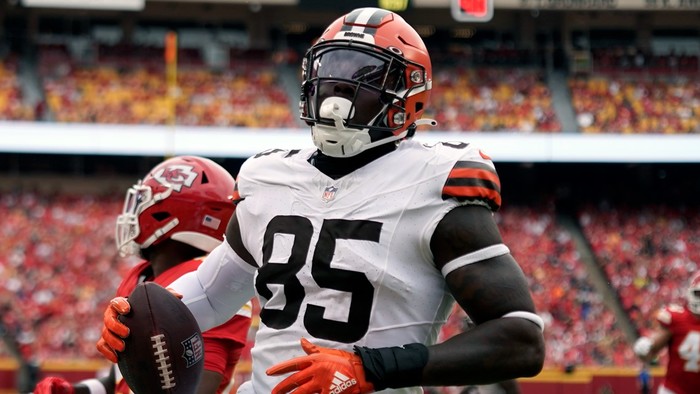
[364, 20]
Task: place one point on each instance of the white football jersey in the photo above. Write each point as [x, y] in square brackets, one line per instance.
[347, 262]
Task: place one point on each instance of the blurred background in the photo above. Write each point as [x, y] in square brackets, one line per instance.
[589, 108]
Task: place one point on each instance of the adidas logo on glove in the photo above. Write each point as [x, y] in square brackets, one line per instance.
[341, 383]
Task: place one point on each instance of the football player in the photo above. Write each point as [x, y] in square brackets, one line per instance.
[679, 332]
[358, 248]
[172, 218]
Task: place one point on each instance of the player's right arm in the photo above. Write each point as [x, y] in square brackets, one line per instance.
[221, 285]
[648, 347]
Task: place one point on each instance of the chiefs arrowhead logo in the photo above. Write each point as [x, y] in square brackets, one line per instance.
[176, 176]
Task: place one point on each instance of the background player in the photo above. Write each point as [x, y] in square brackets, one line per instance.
[173, 217]
[679, 332]
[359, 248]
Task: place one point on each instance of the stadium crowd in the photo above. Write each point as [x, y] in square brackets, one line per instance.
[631, 104]
[47, 244]
[645, 250]
[492, 99]
[12, 105]
[626, 92]
[118, 91]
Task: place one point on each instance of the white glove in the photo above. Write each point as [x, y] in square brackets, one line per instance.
[642, 346]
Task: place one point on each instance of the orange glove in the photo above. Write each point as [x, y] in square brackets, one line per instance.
[114, 331]
[324, 371]
[53, 385]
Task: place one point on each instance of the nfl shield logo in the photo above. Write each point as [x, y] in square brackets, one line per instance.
[193, 350]
[329, 193]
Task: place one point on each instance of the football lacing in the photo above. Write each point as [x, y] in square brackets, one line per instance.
[165, 372]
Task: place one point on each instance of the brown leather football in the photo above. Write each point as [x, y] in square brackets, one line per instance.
[164, 350]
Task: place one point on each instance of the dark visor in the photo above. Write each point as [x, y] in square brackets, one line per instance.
[344, 64]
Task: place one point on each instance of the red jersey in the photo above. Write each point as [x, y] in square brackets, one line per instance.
[683, 370]
[222, 345]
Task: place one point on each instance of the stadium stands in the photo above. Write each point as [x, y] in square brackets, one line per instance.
[48, 243]
[123, 89]
[645, 250]
[12, 105]
[492, 99]
[636, 103]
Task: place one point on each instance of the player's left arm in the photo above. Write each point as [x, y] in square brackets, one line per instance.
[487, 282]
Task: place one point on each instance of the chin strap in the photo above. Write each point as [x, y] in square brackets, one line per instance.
[411, 130]
[429, 122]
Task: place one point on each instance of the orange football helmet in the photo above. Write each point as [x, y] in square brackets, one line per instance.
[185, 198]
[366, 82]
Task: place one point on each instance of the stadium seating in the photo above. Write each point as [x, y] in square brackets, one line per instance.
[636, 103]
[123, 88]
[645, 250]
[47, 246]
[491, 99]
[12, 106]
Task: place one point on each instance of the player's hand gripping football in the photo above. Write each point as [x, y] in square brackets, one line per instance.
[53, 385]
[322, 370]
[114, 331]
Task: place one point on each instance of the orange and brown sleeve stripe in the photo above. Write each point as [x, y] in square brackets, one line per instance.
[470, 181]
[236, 196]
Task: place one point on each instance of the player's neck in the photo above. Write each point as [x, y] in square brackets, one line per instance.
[335, 167]
[162, 262]
[170, 253]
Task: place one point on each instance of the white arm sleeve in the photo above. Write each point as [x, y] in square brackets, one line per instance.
[221, 285]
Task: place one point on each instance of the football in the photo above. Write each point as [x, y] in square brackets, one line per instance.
[164, 350]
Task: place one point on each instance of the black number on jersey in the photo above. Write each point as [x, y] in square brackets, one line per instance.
[327, 277]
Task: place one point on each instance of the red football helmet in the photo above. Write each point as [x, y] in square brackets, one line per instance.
[367, 81]
[693, 294]
[186, 198]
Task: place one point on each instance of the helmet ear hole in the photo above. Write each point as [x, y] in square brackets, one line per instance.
[160, 216]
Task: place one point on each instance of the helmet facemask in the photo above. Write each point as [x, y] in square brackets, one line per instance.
[138, 198]
[693, 295]
[354, 95]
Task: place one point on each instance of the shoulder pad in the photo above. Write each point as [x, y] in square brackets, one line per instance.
[474, 181]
